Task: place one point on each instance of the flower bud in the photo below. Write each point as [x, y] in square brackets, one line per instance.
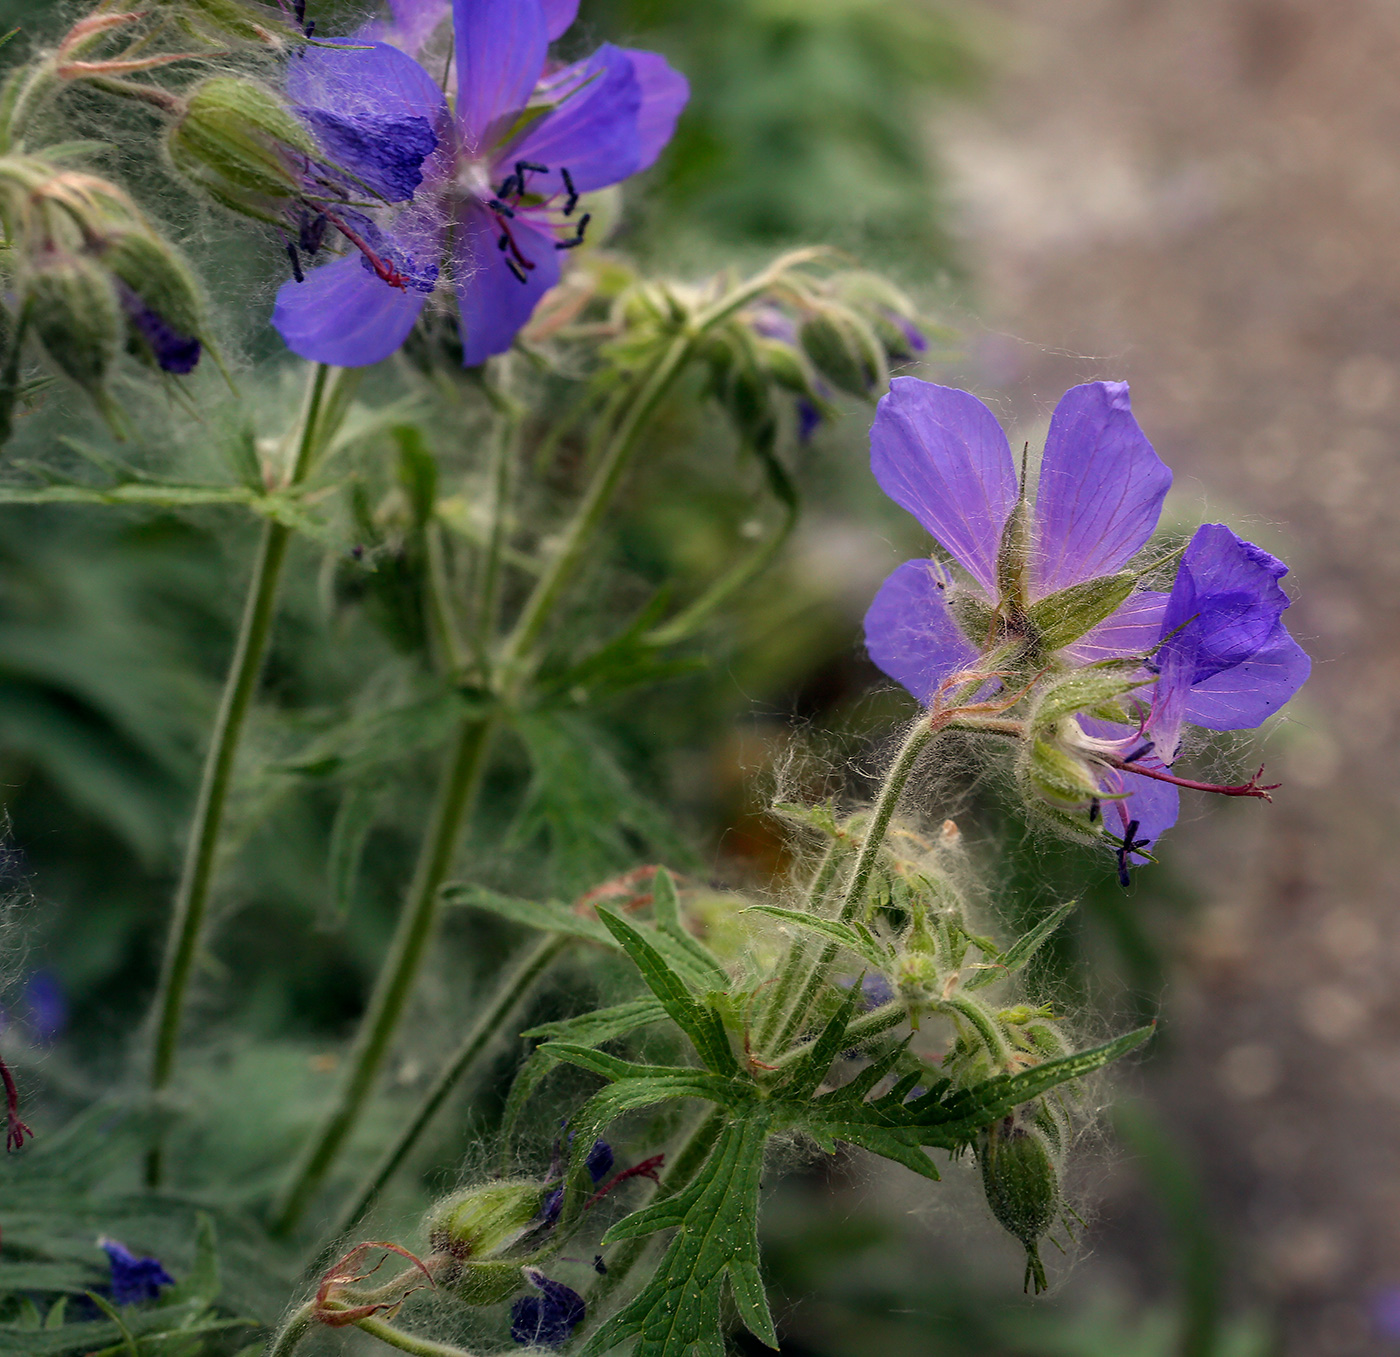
[238, 19]
[1065, 779]
[72, 303]
[160, 297]
[483, 1222]
[1022, 1188]
[240, 144]
[844, 350]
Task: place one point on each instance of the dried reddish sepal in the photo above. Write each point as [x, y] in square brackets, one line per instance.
[331, 1308]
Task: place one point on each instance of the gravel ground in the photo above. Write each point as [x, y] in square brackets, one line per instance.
[1203, 196]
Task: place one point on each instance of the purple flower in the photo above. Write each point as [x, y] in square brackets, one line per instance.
[1220, 658]
[599, 1163]
[547, 1320]
[939, 453]
[1215, 652]
[134, 1279]
[502, 186]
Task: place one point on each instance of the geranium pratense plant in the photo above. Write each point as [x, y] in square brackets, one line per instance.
[501, 192]
[1050, 592]
[863, 1001]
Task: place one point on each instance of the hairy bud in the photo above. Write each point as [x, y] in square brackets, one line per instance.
[844, 349]
[1022, 1187]
[483, 1222]
[72, 303]
[240, 144]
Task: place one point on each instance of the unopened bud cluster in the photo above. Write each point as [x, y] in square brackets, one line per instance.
[93, 278]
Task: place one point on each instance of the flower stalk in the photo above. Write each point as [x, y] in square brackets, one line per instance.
[250, 650]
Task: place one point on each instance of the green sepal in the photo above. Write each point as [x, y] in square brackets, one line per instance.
[699, 1022]
[844, 349]
[678, 1312]
[1058, 775]
[1085, 689]
[486, 1282]
[1068, 614]
[1013, 557]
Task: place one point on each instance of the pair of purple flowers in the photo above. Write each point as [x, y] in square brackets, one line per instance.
[490, 187]
[1213, 652]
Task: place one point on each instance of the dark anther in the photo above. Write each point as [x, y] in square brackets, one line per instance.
[299, 7]
[1141, 753]
[577, 238]
[496, 205]
[524, 167]
[516, 269]
[503, 243]
[599, 1266]
[513, 184]
[293, 255]
[1131, 844]
[1094, 808]
[570, 190]
[311, 29]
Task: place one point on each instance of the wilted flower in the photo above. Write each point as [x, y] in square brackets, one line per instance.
[134, 1279]
[1049, 591]
[546, 1320]
[503, 186]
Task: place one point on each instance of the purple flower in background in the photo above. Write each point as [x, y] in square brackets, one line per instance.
[547, 1320]
[134, 1279]
[502, 185]
[46, 1006]
[1215, 652]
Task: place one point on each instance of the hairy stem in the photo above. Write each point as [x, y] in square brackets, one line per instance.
[293, 1331]
[196, 877]
[487, 1027]
[922, 732]
[795, 963]
[457, 793]
[407, 1342]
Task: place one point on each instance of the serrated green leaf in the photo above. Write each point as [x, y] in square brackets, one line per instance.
[354, 818]
[552, 916]
[677, 1313]
[201, 1283]
[367, 742]
[812, 1068]
[1023, 949]
[603, 1024]
[843, 935]
[666, 909]
[699, 1022]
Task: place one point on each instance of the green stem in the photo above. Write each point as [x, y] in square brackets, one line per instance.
[508, 997]
[293, 1331]
[407, 1342]
[796, 960]
[679, 1174]
[924, 730]
[488, 592]
[196, 878]
[456, 795]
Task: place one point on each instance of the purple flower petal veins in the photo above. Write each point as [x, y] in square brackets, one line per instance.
[911, 632]
[503, 183]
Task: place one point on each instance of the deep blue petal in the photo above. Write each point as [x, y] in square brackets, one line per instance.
[1101, 488]
[599, 1161]
[593, 132]
[493, 302]
[357, 82]
[384, 152]
[344, 315]
[134, 1279]
[665, 92]
[500, 53]
[559, 16]
[1246, 695]
[547, 1320]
